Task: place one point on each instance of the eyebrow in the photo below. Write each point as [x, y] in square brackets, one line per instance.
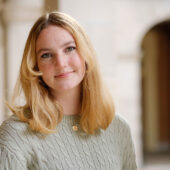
[48, 49]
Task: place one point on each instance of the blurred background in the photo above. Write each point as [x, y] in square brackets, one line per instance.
[132, 41]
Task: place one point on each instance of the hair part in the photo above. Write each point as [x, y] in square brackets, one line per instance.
[41, 111]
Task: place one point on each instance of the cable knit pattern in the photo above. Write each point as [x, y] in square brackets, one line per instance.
[111, 149]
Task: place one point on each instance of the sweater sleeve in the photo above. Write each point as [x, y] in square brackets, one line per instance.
[11, 157]
[129, 156]
[9, 160]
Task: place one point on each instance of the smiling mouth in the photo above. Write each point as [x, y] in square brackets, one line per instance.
[63, 75]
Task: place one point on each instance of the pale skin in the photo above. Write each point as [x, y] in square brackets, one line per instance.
[62, 67]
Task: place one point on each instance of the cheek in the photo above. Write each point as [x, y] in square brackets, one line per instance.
[46, 71]
[79, 64]
[44, 68]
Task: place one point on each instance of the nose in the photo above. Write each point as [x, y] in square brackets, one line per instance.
[60, 60]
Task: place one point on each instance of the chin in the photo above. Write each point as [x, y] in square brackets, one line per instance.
[67, 87]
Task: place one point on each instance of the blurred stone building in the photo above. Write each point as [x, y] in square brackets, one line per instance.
[129, 52]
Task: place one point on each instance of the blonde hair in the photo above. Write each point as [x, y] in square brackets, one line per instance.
[41, 111]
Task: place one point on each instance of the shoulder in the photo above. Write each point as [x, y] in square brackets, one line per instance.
[12, 131]
[120, 121]
[13, 124]
[13, 120]
[120, 127]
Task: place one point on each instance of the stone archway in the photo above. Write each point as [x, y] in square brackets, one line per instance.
[156, 89]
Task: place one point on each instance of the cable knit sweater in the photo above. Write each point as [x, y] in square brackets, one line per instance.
[67, 149]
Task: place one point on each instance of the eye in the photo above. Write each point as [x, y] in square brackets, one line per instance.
[46, 55]
[69, 49]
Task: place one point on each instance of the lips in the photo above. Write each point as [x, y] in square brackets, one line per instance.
[63, 74]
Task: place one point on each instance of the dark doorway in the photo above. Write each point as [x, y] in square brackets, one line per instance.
[156, 90]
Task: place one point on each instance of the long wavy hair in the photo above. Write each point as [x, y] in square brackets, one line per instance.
[40, 110]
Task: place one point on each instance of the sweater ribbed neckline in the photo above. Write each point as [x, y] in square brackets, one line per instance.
[71, 119]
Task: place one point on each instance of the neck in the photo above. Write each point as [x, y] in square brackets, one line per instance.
[69, 100]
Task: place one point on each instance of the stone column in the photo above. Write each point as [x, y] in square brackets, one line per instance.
[2, 82]
[18, 17]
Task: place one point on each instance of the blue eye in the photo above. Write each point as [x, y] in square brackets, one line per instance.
[69, 49]
[46, 55]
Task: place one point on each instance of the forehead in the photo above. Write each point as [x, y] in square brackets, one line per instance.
[54, 33]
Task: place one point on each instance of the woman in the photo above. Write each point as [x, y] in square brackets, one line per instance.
[68, 119]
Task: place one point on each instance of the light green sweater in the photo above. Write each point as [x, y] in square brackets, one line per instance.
[67, 149]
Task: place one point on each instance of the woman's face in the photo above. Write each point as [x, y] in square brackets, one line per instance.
[58, 59]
